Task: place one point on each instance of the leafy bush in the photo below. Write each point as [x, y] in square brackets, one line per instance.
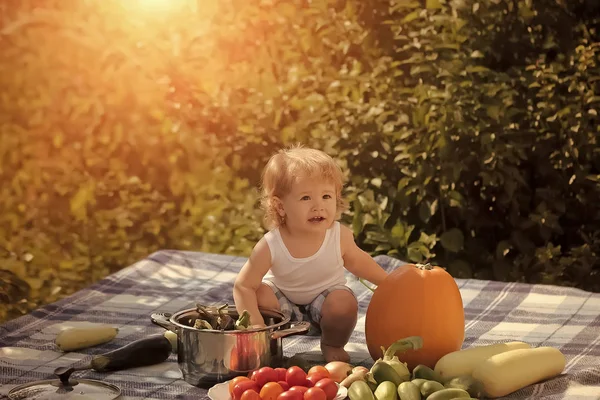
[109, 152]
[489, 165]
[469, 131]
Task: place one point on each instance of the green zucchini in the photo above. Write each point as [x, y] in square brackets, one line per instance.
[382, 372]
[359, 390]
[466, 383]
[372, 385]
[409, 391]
[386, 391]
[147, 351]
[430, 387]
[424, 372]
[449, 394]
[419, 382]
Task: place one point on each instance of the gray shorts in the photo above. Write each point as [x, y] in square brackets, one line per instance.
[304, 312]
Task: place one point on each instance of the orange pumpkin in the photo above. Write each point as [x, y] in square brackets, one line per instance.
[416, 300]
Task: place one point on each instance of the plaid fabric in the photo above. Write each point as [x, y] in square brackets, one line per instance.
[170, 281]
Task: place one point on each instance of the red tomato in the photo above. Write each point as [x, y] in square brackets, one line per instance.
[264, 375]
[280, 373]
[291, 395]
[309, 383]
[284, 385]
[301, 389]
[250, 395]
[314, 378]
[315, 393]
[240, 387]
[329, 387]
[252, 374]
[235, 381]
[270, 391]
[295, 376]
[319, 369]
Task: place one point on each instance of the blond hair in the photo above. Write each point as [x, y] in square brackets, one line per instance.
[282, 170]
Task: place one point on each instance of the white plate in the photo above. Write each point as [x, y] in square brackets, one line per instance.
[221, 392]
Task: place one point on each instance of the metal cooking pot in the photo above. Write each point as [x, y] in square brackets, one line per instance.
[213, 356]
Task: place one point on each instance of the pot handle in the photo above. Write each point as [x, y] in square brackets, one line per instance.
[297, 328]
[162, 319]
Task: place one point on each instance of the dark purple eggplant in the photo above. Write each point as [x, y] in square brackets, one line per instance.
[147, 351]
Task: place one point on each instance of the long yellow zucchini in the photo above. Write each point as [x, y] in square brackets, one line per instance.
[80, 338]
[463, 362]
[507, 372]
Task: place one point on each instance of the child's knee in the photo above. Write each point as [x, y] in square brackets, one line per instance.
[340, 304]
[266, 298]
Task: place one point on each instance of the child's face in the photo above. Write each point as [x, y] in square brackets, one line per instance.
[310, 206]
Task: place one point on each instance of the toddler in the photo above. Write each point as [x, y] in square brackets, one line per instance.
[298, 266]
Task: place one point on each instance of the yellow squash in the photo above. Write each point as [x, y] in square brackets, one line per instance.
[80, 338]
[463, 362]
[508, 372]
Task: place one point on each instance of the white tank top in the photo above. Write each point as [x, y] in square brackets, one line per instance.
[301, 280]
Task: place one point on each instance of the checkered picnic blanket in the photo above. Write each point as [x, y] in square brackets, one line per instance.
[170, 281]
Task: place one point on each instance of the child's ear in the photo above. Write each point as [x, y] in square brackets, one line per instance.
[279, 206]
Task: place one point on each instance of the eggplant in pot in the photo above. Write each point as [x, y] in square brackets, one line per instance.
[208, 356]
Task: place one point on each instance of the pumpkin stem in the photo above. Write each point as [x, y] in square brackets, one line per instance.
[427, 266]
[408, 343]
[361, 280]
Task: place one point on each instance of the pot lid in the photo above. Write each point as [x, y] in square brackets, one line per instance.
[52, 389]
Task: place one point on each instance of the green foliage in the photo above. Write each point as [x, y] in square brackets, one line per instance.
[469, 131]
[108, 152]
[491, 164]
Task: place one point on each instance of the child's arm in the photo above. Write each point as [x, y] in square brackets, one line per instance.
[249, 279]
[357, 261]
